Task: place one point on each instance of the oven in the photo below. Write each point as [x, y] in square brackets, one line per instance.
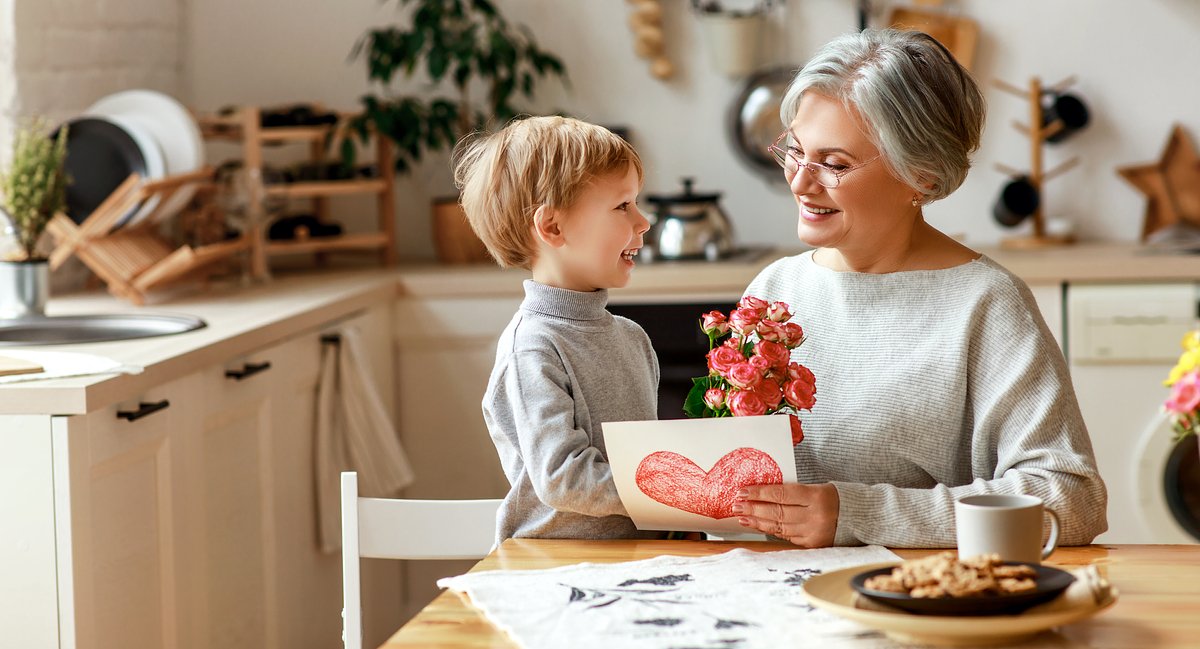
[681, 347]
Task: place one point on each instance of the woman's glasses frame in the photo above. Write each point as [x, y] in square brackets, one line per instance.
[826, 176]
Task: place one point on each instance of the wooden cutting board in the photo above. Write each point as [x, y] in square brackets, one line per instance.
[10, 366]
[957, 33]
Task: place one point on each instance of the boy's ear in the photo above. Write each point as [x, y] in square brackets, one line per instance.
[547, 226]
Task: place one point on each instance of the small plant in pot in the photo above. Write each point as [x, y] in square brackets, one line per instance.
[487, 61]
[32, 191]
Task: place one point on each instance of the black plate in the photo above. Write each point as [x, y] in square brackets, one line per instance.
[100, 156]
[1051, 582]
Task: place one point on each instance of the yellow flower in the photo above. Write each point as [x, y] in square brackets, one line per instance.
[1191, 341]
[1188, 361]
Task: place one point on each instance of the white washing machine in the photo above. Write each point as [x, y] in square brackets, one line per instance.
[1121, 342]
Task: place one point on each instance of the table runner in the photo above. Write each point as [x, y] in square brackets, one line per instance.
[736, 600]
[739, 599]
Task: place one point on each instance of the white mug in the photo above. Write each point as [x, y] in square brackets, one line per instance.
[1010, 526]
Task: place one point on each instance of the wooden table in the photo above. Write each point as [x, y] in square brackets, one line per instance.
[1159, 586]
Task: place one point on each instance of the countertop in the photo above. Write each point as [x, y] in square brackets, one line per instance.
[240, 319]
[244, 318]
[1082, 263]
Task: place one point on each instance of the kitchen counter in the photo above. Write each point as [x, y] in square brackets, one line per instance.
[241, 319]
[1083, 263]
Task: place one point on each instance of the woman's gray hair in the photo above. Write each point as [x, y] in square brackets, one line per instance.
[924, 112]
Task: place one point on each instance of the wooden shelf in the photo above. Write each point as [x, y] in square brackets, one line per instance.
[311, 189]
[245, 126]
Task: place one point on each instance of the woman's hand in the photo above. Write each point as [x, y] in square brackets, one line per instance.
[805, 514]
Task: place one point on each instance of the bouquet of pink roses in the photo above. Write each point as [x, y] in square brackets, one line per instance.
[750, 368]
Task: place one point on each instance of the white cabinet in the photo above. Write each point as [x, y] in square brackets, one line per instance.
[445, 351]
[1049, 298]
[444, 354]
[122, 538]
[185, 518]
[234, 509]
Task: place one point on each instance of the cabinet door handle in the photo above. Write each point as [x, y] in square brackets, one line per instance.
[248, 370]
[144, 409]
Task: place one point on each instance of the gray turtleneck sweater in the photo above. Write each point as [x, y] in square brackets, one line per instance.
[564, 365]
[933, 385]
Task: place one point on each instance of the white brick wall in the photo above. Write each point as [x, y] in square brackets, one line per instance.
[71, 52]
[59, 56]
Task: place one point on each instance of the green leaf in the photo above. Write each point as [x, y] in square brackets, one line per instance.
[484, 7]
[439, 61]
[693, 405]
[349, 153]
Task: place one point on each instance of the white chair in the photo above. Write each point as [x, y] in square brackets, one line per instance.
[387, 528]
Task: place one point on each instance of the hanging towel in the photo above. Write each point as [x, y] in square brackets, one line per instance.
[354, 433]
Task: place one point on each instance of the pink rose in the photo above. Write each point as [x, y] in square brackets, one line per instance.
[1185, 394]
[797, 430]
[744, 375]
[772, 331]
[798, 372]
[743, 403]
[714, 398]
[762, 363]
[800, 394]
[754, 305]
[744, 321]
[778, 312]
[722, 358]
[793, 335]
[775, 353]
[714, 323]
[770, 393]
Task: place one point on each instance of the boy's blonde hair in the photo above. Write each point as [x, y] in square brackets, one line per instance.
[506, 176]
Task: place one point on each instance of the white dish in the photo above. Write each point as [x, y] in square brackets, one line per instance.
[832, 592]
[155, 166]
[168, 122]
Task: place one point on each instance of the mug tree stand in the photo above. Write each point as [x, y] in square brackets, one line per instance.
[1037, 132]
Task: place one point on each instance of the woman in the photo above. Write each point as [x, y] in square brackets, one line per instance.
[936, 375]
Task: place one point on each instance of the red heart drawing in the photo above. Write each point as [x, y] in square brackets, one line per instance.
[676, 481]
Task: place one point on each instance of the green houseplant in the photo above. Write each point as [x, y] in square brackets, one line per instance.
[468, 48]
[32, 191]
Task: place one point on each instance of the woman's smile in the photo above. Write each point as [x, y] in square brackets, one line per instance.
[816, 213]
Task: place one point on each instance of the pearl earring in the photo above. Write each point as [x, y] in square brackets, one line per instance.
[916, 202]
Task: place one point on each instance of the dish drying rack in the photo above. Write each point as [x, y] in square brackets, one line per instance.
[136, 259]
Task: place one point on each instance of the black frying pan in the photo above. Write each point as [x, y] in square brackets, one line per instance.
[100, 156]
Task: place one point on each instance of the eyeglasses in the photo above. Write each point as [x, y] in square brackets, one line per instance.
[825, 175]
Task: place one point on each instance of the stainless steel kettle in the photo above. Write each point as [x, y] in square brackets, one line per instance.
[688, 226]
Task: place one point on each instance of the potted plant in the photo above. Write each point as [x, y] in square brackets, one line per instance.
[32, 191]
[487, 62]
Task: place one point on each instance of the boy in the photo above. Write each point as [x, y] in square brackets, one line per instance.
[557, 196]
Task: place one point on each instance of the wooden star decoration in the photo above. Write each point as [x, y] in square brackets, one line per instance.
[1171, 185]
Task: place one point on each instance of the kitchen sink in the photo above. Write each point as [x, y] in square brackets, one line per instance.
[65, 330]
